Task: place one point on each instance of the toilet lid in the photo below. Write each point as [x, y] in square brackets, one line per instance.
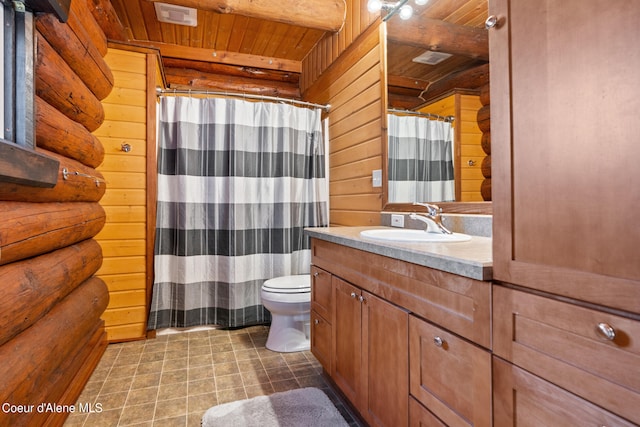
[288, 284]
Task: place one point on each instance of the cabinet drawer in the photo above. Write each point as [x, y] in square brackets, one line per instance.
[321, 339]
[562, 342]
[449, 375]
[524, 400]
[420, 416]
[321, 294]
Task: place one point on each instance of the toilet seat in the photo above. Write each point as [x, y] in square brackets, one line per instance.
[288, 299]
[298, 284]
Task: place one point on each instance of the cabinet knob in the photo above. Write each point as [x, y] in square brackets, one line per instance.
[606, 331]
[316, 274]
[362, 299]
[353, 295]
[439, 342]
[316, 321]
[125, 147]
[491, 22]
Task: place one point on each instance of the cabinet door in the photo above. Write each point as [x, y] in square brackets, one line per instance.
[564, 134]
[346, 361]
[524, 400]
[321, 292]
[450, 376]
[385, 362]
[321, 340]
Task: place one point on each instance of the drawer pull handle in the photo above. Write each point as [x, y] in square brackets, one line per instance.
[607, 331]
[439, 342]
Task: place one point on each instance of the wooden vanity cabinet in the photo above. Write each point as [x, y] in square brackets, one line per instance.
[370, 361]
[361, 341]
[385, 314]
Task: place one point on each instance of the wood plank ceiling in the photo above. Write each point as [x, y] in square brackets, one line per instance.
[247, 54]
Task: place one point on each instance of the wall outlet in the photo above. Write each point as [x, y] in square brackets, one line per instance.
[377, 178]
[397, 220]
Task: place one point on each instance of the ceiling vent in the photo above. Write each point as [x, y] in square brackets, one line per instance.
[172, 14]
[431, 58]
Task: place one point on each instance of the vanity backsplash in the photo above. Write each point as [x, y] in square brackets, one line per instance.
[475, 225]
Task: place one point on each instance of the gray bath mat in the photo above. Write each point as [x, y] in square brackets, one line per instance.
[308, 407]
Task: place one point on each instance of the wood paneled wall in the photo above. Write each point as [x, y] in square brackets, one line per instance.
[467, 136]
[51, 334]
[124, 239]
[354, 87]
[328, 50]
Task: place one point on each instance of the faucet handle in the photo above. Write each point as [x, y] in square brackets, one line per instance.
[432, 209]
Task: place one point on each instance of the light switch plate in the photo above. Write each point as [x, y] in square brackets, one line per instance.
[377, 178]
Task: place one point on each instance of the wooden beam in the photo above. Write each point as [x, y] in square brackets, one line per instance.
[404, 102]
[440, 36]
[233, 70]
[168, 50]
[197, 80]
[19, 165]
[326, 15]
[407, 82]
[472, 78]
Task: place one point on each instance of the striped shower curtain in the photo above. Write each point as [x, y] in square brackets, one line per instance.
[420, 160]
[237, 183]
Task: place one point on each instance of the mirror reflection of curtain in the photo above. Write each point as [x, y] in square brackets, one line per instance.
[420, 160]
[238, 182]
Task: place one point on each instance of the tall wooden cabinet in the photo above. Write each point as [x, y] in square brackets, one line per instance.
[566, 192]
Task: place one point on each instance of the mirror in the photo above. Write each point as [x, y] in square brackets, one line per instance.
[437, 61]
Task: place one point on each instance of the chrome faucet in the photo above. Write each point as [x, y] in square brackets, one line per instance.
[432, 218]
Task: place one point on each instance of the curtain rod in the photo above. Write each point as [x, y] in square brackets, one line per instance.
[160, 91]
[419, 113]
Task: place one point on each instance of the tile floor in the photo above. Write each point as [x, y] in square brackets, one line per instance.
[173, 379]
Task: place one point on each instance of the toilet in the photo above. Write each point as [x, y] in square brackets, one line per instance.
[288, 299]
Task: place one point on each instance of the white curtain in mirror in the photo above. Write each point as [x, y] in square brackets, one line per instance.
[420, 159]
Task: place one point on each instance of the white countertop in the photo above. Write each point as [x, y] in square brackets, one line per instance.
[471, 259]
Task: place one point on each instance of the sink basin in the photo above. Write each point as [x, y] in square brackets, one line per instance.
[408, 235]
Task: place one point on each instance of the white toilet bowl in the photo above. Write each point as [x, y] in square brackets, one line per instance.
[288, 298]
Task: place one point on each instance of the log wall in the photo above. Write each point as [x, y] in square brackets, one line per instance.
[51, 334]
[127, 237]
[354, 87]
[484, 123]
